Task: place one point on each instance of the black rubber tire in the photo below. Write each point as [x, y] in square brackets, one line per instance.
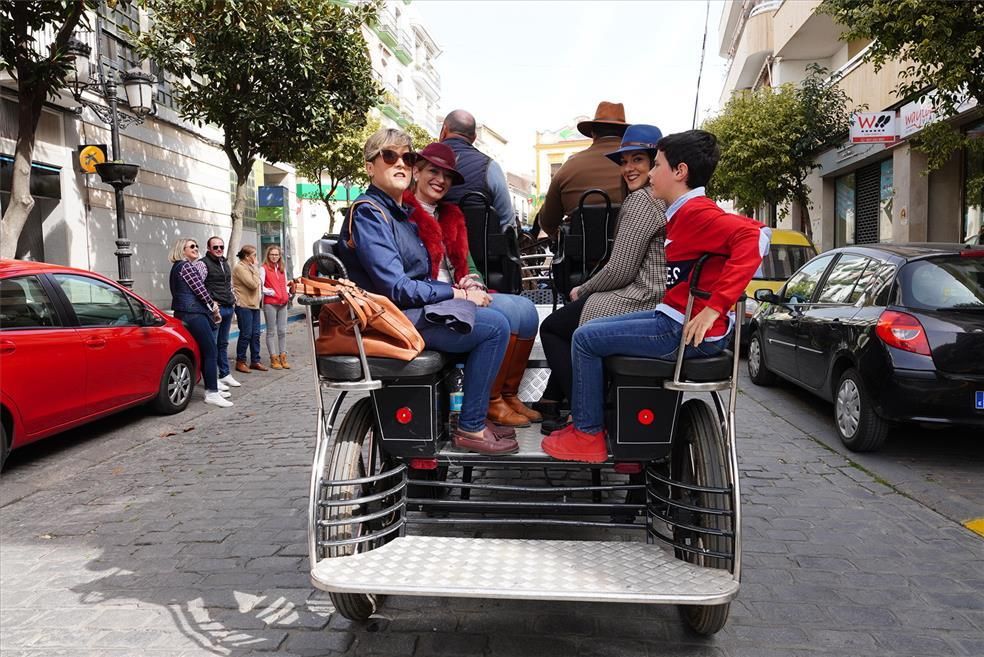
[347, 462]
[4, 446]
[699, 457]
[758, 372]
[177, 384]
[869, 431]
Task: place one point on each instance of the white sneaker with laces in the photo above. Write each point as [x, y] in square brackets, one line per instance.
[224, 394]
[221, 386]
[229, 381]
[216, 399]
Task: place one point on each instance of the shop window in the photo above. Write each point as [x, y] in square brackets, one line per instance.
[973, 202]
[844, 210]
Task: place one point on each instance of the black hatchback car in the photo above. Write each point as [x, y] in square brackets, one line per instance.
[888, 332]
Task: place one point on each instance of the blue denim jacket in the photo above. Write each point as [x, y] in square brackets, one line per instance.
[388, 257]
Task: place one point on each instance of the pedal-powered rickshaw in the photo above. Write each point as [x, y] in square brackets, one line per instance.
[396, 510]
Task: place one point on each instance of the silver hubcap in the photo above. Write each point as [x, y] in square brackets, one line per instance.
[848, 408]
[754, 357]
[179, 384]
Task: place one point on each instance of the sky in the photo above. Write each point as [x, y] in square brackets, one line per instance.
[521, 66]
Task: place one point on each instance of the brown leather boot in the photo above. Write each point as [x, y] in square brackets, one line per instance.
[259, 367]
[510, 389]
[241, 366]
[275, 362]
[499, 411]
[283, 362]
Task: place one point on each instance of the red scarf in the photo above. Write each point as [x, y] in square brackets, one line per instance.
[444, 235]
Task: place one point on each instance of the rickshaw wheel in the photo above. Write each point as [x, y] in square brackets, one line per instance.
[354, 455]
[699, 458]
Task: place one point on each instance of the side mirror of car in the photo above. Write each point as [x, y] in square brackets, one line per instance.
[150, 318]
[766, 295]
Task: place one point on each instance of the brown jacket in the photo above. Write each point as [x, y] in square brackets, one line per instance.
[582, 171]
[246, 285]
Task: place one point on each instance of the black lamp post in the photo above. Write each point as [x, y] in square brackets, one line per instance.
[139, 89]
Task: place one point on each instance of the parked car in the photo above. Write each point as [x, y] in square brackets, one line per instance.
[75, 346]
[888, 332]
[789, 250]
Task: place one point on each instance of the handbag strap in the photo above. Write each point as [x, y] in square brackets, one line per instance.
[351, 238]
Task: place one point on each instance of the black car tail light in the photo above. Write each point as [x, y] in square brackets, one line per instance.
[902, 331]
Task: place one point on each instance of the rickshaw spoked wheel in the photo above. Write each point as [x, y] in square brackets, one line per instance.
[699, 458]
[354, 454]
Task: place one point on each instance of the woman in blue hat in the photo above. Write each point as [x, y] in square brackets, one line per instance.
[634, 278]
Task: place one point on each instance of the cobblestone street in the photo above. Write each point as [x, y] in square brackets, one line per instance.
[185, 535]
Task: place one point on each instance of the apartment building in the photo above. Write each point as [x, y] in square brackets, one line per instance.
[553, 147]
[861, 193]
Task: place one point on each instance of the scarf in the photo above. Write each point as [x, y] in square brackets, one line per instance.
[446, 235]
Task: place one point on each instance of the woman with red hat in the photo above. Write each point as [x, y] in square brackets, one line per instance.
[442, 229]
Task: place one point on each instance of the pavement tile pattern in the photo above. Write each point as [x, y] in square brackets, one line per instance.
[185, 536]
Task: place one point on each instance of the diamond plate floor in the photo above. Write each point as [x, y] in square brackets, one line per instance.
[524, 569]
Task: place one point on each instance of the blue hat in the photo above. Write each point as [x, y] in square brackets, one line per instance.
[638, 137]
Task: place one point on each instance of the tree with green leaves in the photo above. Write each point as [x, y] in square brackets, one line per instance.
[419, 135]
[277, 76]
[340, 160]
[40, 68]
[942, 44]
[769, 139]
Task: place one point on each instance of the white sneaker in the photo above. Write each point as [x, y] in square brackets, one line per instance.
[224, 394]
[221, 386]
[216, 399]
[229, 381]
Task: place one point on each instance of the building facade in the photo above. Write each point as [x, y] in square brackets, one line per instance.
[553, 147]
[861, 193]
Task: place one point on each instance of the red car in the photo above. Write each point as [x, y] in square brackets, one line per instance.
[75, 346]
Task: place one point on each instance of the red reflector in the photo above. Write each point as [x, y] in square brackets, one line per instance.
[972, 253]
[404, 415]
[645, 417]
[628, 468]
[423, 464]
[902, 331]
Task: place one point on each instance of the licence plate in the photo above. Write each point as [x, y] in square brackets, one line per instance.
[979, 402]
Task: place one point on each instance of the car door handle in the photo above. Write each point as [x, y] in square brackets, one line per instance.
[7, 347]
[95, 343]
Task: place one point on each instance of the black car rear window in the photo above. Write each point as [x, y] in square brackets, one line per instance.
[944, 283]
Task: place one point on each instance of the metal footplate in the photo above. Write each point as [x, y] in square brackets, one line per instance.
[525, 569]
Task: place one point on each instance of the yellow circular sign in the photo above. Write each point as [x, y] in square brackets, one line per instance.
[89, 157]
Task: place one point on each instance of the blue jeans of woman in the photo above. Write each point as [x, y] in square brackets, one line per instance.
[200, 326]
[647, 334]
[248, 320]
[485, 346]
[221, 333]
[520, 312]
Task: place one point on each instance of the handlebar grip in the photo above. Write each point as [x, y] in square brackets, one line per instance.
[312, 266]
[695, 276]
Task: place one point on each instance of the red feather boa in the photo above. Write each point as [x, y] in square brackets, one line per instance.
[447, 234]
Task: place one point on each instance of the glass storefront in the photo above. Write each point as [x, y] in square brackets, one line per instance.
[844, 210]
[863, 202]
[973, 201]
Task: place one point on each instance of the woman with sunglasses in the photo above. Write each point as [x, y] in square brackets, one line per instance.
[442, 230]
[383, 252]
[193, 305]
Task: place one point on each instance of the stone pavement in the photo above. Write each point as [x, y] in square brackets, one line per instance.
[185, 536]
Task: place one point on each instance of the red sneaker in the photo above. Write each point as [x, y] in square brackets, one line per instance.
[570, 444]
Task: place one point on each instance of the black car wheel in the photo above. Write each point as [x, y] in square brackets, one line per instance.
[4, 446]
[176, 386]
[859, 427]
[757, 371]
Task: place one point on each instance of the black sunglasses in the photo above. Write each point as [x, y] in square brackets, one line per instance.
[390, 157]
[192, 246]
[217, 247]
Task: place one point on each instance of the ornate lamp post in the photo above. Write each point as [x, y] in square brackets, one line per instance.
[139, 89]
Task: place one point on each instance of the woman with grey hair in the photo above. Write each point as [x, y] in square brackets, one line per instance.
[383, 252]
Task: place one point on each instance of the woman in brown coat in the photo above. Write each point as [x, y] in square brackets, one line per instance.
[247, 288]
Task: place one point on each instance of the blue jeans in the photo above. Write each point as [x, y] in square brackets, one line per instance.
[200, 327]
[485, 346]
[249, 333]
[221, 333]
[646, 334]
[520, 312]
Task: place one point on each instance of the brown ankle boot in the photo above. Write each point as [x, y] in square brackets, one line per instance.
[241, 366]
[514, 376]
[499, 411]
[275, 362]
[283, 362]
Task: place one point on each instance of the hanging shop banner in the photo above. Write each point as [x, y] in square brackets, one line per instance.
[89, 155]
[915, 116]
[867, 127]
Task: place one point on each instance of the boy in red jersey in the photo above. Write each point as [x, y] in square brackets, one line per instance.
[695, 225]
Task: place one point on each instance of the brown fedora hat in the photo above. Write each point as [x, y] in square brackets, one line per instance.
[607, 113]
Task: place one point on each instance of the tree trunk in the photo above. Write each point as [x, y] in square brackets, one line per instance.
[238, 210]
[805, 223]
[21, 201]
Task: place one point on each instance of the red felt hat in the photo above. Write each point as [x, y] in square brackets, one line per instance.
[441, 155]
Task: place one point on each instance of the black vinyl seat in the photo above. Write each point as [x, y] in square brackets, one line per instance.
[698, 370]
[495, 253]
[584, 242]
[349, 368]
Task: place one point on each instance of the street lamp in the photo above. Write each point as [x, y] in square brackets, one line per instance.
[139, 89]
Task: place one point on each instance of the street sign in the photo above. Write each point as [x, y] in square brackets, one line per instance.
[867, 127]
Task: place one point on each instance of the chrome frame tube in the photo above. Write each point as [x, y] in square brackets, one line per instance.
[325, 431]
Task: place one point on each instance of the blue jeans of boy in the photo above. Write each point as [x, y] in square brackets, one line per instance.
[646, 334]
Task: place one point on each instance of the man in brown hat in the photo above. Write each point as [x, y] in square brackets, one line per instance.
[588, 169]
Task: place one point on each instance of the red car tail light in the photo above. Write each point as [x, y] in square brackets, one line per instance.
[902, 331]
[972, 253]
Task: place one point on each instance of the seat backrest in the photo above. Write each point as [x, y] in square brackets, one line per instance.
[327, 245]
[584, 242]
[496, 253]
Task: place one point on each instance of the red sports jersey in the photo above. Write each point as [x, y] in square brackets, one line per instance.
[699, 226]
